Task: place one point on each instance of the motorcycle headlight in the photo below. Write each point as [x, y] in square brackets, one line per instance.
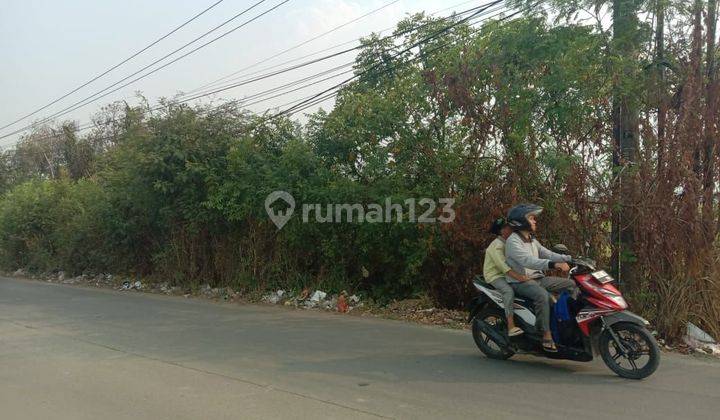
[613, 296]
[618, 299]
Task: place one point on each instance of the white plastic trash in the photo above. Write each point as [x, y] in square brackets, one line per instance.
[318, 296]
[274, 297]
[693, 331]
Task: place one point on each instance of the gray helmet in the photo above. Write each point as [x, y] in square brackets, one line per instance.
[517, 216]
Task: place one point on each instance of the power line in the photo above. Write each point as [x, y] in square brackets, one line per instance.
[94, 96]
[481, 10]
[415, 44]
[275, 73]
[320, 100]
[311, 101]
[287, 85]
[310, 62]
[315, 99]
[308, 41]
[113, 67]
[201, 89]
[262, 93]
[302, 43]
[247, 104]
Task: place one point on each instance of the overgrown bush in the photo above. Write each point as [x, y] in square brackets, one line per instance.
[52, 225]
[518, 111]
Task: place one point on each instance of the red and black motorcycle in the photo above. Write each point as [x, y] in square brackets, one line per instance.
[598, 322]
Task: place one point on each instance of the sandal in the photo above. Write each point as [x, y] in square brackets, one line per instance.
[515, 331]
[549, 346]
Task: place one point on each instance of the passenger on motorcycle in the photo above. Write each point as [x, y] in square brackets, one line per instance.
[495, 270]
[526, 255]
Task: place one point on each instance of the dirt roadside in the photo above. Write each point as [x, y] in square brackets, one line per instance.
[419, 310]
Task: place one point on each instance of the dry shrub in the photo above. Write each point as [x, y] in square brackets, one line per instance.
[674, 216]
[454, 265]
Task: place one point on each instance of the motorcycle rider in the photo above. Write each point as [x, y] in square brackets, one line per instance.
[495, 269]
[526, 255]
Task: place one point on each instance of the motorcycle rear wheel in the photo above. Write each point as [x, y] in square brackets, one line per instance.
[496, 319]
[638, 342]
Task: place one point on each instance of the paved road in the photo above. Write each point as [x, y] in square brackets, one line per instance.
[74, 353]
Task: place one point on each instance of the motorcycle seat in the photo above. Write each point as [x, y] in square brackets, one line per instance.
[528, 303]
[481, 281]
[525, 302]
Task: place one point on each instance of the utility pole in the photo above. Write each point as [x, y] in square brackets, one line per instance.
[660, 83]
[626, 48]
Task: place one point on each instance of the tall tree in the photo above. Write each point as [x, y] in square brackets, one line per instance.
[660, 68]
[625, 51]
[711, 118]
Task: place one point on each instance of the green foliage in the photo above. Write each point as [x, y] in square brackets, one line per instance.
[514, 111]
[50, 225]
[180, 192]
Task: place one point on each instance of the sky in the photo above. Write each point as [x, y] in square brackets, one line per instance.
[50, 47]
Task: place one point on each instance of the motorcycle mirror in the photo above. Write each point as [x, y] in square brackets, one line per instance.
[561, 249]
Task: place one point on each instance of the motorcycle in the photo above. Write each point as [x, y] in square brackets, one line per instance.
[598, 322]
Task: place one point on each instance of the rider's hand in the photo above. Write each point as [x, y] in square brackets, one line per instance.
[525, 278]
[562, 266]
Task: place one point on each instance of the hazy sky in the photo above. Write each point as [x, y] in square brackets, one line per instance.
[50, 47]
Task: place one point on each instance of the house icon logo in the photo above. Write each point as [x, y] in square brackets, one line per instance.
[278, 217]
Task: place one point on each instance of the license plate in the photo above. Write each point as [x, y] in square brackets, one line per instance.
[602, 276]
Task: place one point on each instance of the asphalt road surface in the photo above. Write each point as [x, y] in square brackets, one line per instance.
[73, 353]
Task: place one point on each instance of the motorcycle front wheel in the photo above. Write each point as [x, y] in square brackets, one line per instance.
[496, 319]
[641, 356]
